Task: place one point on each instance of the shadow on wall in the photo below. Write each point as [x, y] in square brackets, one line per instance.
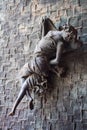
[75, 61]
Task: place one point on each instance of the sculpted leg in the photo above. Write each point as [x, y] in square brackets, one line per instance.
[27, 93]
[22, 93]
[22, 80]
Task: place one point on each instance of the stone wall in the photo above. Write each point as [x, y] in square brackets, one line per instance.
[65, 107]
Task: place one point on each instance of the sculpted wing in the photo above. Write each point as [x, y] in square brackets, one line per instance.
[46, 26]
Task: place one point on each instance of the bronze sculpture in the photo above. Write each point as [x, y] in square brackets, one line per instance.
[52, 44]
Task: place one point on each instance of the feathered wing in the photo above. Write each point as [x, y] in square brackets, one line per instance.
[46, 26]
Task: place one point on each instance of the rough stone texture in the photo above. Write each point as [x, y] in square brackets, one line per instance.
[65, 107]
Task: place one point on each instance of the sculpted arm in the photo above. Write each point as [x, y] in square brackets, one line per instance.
[59, 51]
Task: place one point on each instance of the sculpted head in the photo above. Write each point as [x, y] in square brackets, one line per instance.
[65, 35]
[72, 36]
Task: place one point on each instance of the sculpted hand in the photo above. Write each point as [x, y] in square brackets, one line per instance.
[54, 62]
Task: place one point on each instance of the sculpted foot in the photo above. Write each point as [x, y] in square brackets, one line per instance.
[31, 105]
[11, 113]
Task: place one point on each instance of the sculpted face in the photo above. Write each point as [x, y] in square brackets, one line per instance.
[65, 35]
[70, 35]
[72, 32]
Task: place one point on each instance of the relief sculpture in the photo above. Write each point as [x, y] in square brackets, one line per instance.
[46, 55]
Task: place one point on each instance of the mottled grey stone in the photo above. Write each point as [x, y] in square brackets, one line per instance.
[65, 106]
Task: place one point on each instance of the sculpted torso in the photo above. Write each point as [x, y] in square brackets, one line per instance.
[48, 44]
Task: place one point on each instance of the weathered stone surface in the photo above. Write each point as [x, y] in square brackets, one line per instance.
[64, 107]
